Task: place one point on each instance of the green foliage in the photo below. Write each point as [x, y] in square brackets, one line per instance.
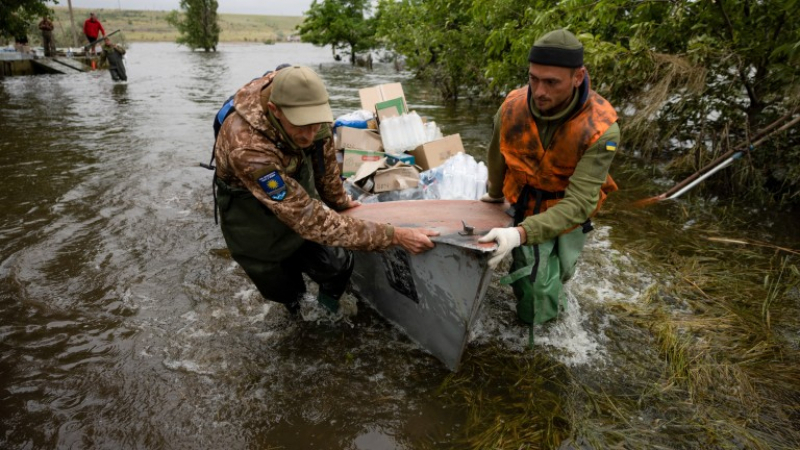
[691, 77]
[199, 27]
[439, 40]
[16, 16]
[342, 24]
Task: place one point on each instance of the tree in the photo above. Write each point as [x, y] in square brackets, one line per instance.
[17, 15]
[691, 78]
[695, 77]
[341, 24]
[440, 41]
[199, 28]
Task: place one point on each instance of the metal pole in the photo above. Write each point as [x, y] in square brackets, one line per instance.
[706, 175]
[72, 22]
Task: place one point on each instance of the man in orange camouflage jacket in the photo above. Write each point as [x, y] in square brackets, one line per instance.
[552, 147]
[279, 187]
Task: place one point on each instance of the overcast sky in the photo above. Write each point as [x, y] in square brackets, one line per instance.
[262, 7]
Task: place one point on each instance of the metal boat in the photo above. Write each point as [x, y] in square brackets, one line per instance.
[434, 297]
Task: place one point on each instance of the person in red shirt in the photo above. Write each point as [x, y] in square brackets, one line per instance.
[92, 28]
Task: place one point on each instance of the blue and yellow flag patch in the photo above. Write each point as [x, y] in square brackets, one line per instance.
[611, 146]
[273, 185]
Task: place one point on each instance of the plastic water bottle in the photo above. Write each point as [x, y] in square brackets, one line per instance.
[470, 177]
[459, 177]
[416, 131]
[389, 134]
[483, 177]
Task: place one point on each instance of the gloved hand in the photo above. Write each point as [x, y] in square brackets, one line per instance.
[507, 239]
[489, 199]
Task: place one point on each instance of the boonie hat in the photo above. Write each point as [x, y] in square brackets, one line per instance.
[301, 95]
[557, 48]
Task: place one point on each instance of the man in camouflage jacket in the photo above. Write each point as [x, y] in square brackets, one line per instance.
[113, 53]
[274, 156]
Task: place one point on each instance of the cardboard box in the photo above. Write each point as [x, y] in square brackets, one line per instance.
[435, 153]
[394, 158]
[353, 159]
[376, 94]
[396, 178]
[390, 108]
[358, 139]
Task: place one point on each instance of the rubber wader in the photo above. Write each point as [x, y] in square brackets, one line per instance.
[538, 287]
[273, 255]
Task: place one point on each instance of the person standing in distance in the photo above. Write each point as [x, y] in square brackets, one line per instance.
[46, 26]
[113, 54]
[92, 28]
[272, 155]
[551, 149]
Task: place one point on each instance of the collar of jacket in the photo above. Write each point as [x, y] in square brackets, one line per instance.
[247, 102]
[283, 137]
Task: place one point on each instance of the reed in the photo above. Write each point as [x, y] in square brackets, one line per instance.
[706, 357]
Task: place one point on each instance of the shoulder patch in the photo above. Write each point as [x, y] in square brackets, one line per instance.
[611, 146]
[272, 183]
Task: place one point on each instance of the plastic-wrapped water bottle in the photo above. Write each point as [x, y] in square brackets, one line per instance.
[389, 134]
[459, 177]
[470, 178]
[402, 133]
[416, 130]
[446, 186]
[483, 177]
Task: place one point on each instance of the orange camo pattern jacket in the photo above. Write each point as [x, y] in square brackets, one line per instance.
[549, 169]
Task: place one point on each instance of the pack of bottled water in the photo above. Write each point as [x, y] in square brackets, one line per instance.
[402, 133]
[459, 178]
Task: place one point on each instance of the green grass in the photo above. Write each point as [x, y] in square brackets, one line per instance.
[151, 26]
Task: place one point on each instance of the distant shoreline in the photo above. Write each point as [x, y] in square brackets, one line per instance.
[100, 11]
[151, 26]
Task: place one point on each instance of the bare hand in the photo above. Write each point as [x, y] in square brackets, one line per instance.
[415, 240]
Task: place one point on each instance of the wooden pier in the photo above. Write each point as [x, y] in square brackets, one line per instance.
[15, 64]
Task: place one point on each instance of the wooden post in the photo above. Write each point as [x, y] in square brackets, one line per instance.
[72, 22]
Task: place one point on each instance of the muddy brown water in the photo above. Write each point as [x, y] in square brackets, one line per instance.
[125, 324]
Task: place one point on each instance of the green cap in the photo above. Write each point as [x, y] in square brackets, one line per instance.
[557, 48]
[301, 96]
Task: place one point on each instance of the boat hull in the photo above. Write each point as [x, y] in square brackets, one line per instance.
[434, 297]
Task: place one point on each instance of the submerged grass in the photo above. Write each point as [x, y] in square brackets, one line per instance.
[706, 357]
[512, 399]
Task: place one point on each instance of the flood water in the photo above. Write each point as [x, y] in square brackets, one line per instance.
[124, 323]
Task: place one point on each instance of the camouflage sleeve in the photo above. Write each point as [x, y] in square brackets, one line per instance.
[328, 181]
[263, 175]
[581, 195]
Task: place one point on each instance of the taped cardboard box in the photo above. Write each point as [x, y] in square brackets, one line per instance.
[348, 138]
[354, 159]
[435, 153]
[399, 177]
[378, 176]
[372, 95]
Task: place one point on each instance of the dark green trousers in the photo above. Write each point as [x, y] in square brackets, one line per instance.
[274, 256]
